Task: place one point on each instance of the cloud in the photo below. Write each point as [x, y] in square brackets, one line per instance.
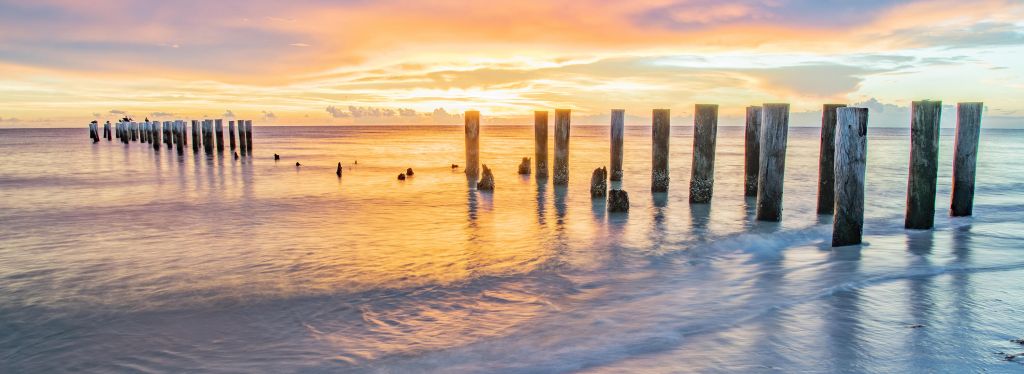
[300, 45]
[97, 115]
[338, 113]
[117, 112]
[228, 114]
[162, 114]
[269, 116]
[369, 112]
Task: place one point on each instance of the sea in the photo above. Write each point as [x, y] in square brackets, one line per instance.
[122, 258]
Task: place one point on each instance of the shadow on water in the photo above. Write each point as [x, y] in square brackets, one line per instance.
[599, 206]
[700, 215]
[542, 193]
[561, 192]
[659, 200]
[922, 343]
[960, 284]
[842, 319]
[749, 211]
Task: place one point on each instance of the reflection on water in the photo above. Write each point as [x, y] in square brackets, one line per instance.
[120, 258]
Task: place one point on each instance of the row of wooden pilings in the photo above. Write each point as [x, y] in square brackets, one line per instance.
[209, 134]
[842, 159]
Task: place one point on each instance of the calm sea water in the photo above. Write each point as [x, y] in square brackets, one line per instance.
[119, 258]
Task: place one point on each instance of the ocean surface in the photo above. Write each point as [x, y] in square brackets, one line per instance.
[118, 258]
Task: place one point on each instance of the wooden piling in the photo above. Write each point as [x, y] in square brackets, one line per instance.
[231, 134]
[850, 150]
[472, 121]
[241, 137]
[106, 131]
[618, 131]
[660, 122]
[179, 136]
[167, 133]
[540, 142]
[752, 150]
[826, 157]
[965, 158]
[135, 131]
[220, 135]
[195, 136]
[155, 135]
[702, 170]
[248, 136]
[924, 159]
[560, 168]
[208, 136]
[772, 161]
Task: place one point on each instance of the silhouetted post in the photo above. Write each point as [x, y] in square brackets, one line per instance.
[92, 133]
[924, 160]
[195, 136]
[540, 142]
[241, 137]
[659, 150]
[220, 135]
[617, 135]
[826, 157]
[155, 135]
[752, 150]
[167, 133]
[179, 136]
[231, 134]
[248, 136]
[561, 165]
[184, 136]
[965, 157]
[135, 131]
[106, 130]
[208, 136]
[772, 162]
[472, 119]
[702, 170]
[850, 150]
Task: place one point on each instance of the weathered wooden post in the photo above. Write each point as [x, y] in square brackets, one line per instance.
[617, 134]
[540, 142]
[208, 136]
[702, 170]
[472, 120]
[179, 136]
[106, 130]
[184, 136]
[659, 150]
[135, 131]
[241, 137]
[752, 150]
[155, 135]
[195, 136]
[166, 130]
[924, 160]
[231, 134]
[850, 147]
[92, 132]
[965, 158]
[826, 157]
[772, 161]
[220, 135]
[561, 164]
[248, 136]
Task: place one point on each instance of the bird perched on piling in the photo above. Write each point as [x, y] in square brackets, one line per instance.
[339, 170]
[408, 172]
[236, 155]
[297, 164]
[277, 157]
[401, 176]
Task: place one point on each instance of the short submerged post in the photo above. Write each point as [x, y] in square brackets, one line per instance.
[561, 167]
[660, 123]
[826, 159]
[231, 134]
[220, 135]
[702, 171]
[618, 131]
[924, 160]
[472, 123]
[965, 158]
[752, 150]
[850, 148]
[248, 136]
[772, 161]
[540, 142]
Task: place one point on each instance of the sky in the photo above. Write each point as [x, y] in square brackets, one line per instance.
[66, 62]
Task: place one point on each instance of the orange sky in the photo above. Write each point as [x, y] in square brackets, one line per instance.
[342, 62]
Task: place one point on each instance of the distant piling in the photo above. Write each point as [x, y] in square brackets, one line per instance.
[106, 131]
[924, 159]
[241, 137]
[772, 161]
[231, 134]
[220, 135]
[168, 139]
[965, 158]
[179, 136]
[826, 159]
[195, 136]
[248, 136]
[702, 171]
[850, 150]
[563, 118]
[660, 122]
[472, 120]
[155, 135]
[93, 132]
[618, 132]
[540, 142]
[135, 131]
[208, 136]
[752, 151]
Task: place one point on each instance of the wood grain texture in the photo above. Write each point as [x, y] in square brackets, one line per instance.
[472, 120]
[618, 129]
[540, 142]
[751, 150]
[702, 170]
[924, 162]
[561, 164]
[772, 161]
[826, 157]
[850, 145]
[965, 158]
[660, 123]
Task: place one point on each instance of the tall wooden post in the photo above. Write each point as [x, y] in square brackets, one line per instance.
[772, 161]
[179, 136]
[540, 142]
[248, 136]
[220, 135]
[924, 160]
[660, 123]
[241, 137]
[195, 136]
[472, 121]
[208, 136]
[965, 157]
[702, 171]
[850, 149]
[106, 131]
[561, 164]
[618, 132]
[231, 134]
[155, 135]
[826, 157]
[752, 150]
